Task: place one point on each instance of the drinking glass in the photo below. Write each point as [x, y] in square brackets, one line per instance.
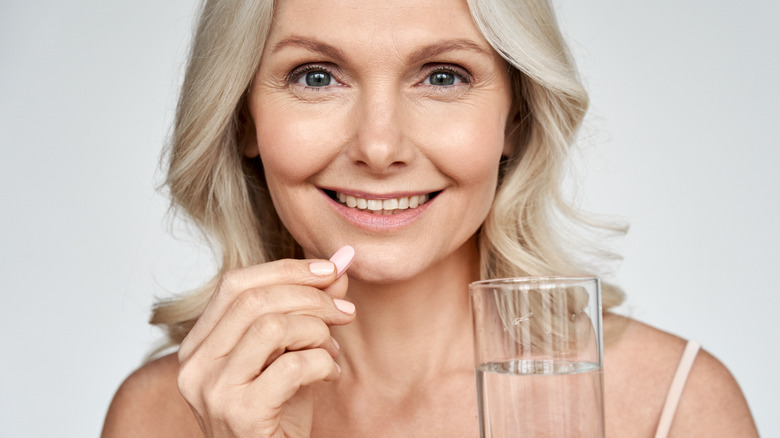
[538, 357]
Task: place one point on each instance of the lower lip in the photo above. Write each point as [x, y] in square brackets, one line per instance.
[379, 222]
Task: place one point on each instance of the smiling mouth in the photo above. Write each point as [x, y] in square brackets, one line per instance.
[381, 206]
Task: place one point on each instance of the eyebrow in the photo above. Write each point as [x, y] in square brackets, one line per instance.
[418, 55]
[445, 46]
[310, 44]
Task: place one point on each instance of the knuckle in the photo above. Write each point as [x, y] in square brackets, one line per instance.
[321, 331]
[187, 348]
[211, 396]
[254, 300]
[184, 349]
[320, 357]
[304, 366]
[187, 381]
[231, 281]
[271, 327]
[205, 395]
[291, 365]
[230, 286]
[322, 363]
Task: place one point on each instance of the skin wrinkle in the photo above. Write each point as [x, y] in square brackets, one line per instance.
[407, 357]
[432, 51]
[382, 92]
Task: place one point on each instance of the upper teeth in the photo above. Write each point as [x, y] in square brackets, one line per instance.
[382, 204]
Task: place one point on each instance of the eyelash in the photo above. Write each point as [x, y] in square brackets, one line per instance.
[460, 73]
[296, 74]
[301, 71]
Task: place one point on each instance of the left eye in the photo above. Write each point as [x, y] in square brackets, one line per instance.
[442, 79]
[317, 78]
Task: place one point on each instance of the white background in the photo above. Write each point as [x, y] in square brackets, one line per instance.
[683, 142]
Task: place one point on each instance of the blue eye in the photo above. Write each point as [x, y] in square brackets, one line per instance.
[317, 78]
[442, 78]
[447, 76]
[313, 76]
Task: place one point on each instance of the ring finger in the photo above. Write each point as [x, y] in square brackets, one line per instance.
[270, 336]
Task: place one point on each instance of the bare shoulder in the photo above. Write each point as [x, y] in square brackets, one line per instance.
[148, 403]
[712, 403]
[640, 362]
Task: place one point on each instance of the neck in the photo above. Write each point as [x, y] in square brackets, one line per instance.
[415, 329]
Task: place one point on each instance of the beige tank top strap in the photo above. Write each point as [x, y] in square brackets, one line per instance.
[676, 389]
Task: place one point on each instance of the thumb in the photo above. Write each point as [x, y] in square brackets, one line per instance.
[338, 289]
[342, 259]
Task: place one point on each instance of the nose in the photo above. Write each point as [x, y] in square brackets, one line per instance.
[379, 144]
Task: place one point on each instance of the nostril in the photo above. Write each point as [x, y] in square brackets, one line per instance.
[381, 150]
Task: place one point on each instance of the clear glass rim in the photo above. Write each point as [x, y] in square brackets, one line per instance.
[567, 280]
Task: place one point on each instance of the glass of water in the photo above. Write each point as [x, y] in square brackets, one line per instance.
[538, 357]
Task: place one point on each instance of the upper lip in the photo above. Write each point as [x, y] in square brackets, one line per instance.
[365, 195]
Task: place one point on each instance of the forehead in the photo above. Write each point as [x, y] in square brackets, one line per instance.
[376, 23]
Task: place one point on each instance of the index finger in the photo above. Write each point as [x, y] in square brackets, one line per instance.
[314, 273]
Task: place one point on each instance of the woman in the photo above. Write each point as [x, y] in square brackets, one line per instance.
[392, 137]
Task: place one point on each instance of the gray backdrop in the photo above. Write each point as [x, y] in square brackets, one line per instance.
[682, 141]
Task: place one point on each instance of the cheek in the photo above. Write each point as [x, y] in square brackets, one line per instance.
[469, 153]
[470, 150]
[292, 146]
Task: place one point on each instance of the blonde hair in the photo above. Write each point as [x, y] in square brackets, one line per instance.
[225, 195]
[531, 228]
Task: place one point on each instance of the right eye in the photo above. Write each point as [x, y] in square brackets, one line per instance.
[313, 76]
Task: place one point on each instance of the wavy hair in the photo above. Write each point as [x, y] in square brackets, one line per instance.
[225, 196]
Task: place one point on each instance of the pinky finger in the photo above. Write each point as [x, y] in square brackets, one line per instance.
[289, 372]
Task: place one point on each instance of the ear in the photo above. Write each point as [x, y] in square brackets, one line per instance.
[248, 139]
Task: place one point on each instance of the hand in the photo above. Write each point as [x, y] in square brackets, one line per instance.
[263, 337]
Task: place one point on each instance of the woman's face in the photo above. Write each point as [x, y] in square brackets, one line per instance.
[380, 125]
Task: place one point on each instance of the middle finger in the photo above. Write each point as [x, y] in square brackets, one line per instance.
[289, 299]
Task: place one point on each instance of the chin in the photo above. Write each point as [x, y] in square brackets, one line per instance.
[385, 264]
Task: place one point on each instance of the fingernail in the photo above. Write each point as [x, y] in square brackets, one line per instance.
[322, 268]
[342, 259]
[336, 343]
[344, 306]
